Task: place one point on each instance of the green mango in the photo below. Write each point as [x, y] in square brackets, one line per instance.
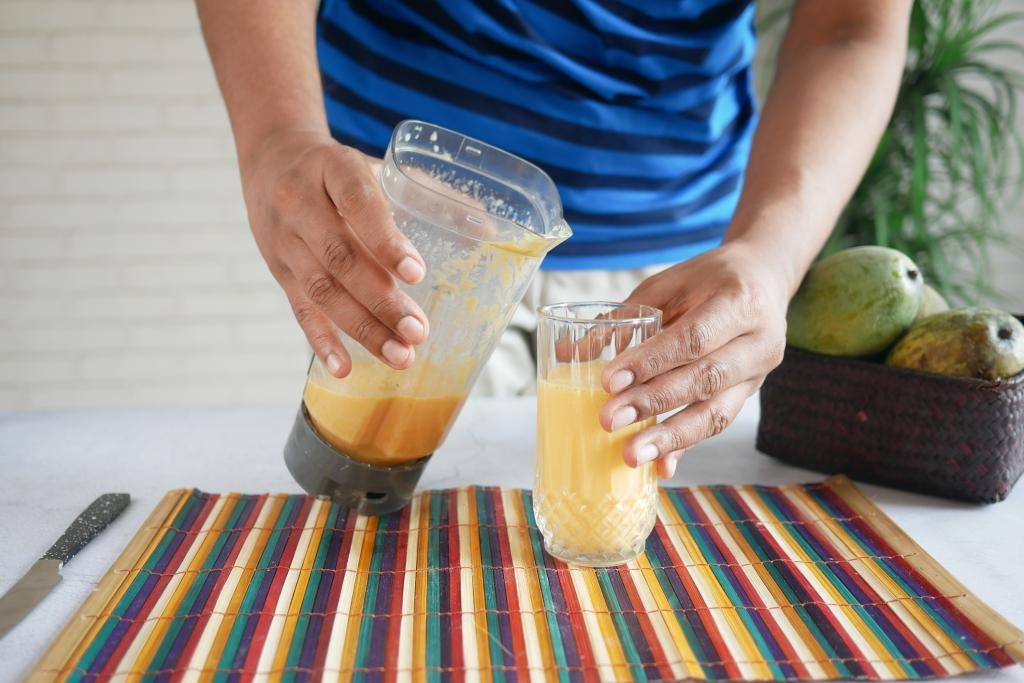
[856, 302]
[931, 302]
[971, 342]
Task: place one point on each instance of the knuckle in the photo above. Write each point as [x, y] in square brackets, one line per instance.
[394, 244]
[752, 302]
[339, 256]
[651, 365]
[711, 378]
[320, 288]
[321, 340]
[697, 339]
[382, 307]
[676, 438]
[733, 282]
[659, 401]
[358, 191]
[718, 420]
[741, 298]
[305, 314]
[363, 330]
[348, 157]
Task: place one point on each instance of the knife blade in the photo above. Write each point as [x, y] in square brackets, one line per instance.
[44, 575]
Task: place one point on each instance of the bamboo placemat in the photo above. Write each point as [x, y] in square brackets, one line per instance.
[737, 582]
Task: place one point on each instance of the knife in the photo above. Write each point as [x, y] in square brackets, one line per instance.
[23, 596]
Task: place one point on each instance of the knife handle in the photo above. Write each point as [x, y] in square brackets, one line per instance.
[93, 520]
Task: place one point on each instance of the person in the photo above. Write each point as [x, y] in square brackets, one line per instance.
[680, 196]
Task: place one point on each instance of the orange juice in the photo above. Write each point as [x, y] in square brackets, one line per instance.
[590, 505]
[382, 430]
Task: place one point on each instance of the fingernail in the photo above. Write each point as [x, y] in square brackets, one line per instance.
[672, 467]
[621, 380]
[411, 328]
[395, 352]
[625, 415]
[647, 453]
[410, 270]
[333, 364]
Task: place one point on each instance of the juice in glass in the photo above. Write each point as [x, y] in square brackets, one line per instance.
[592, 508]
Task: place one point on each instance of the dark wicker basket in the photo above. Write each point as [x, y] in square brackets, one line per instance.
[945, 436]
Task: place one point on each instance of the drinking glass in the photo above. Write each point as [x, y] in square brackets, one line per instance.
[591, 507]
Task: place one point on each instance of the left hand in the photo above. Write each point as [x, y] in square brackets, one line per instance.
[723, 331]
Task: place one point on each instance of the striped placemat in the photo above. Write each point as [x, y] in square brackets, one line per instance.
[737, 583]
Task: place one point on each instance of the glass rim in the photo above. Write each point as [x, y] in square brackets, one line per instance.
[644, 313]
[555, 232]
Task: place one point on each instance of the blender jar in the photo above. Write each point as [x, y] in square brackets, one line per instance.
[482, 219]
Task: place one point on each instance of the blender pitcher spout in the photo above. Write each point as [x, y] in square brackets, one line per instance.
[559, 233]
[537, 245]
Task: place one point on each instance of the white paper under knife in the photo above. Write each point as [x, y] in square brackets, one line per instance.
[22, 597]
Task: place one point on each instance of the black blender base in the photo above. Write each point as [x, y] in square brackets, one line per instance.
[322, 470]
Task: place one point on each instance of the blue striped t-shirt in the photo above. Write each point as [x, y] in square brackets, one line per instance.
[640, 110]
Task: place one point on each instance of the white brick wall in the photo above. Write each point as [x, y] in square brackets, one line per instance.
[127, 272]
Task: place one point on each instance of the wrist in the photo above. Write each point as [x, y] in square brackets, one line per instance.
[252, 146]
[769, 260]
[779, 242]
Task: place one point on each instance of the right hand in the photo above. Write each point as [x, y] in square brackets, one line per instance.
[321, 222]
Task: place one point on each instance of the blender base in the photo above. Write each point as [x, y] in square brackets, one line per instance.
[323, 470]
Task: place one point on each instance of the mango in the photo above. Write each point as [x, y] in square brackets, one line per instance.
[856, 302]
[974, 342]
[931, 302]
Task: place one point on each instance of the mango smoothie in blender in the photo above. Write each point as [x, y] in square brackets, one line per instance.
[387, 430]
[591, 507]
[482, 220]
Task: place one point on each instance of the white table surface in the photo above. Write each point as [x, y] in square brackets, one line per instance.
[53, 464]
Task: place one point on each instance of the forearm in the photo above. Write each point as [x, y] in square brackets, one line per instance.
[835, 85]
[264, 54]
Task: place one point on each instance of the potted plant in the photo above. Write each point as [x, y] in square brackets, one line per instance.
[952, 151]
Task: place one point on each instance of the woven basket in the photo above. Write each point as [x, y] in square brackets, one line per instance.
[945, 436]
